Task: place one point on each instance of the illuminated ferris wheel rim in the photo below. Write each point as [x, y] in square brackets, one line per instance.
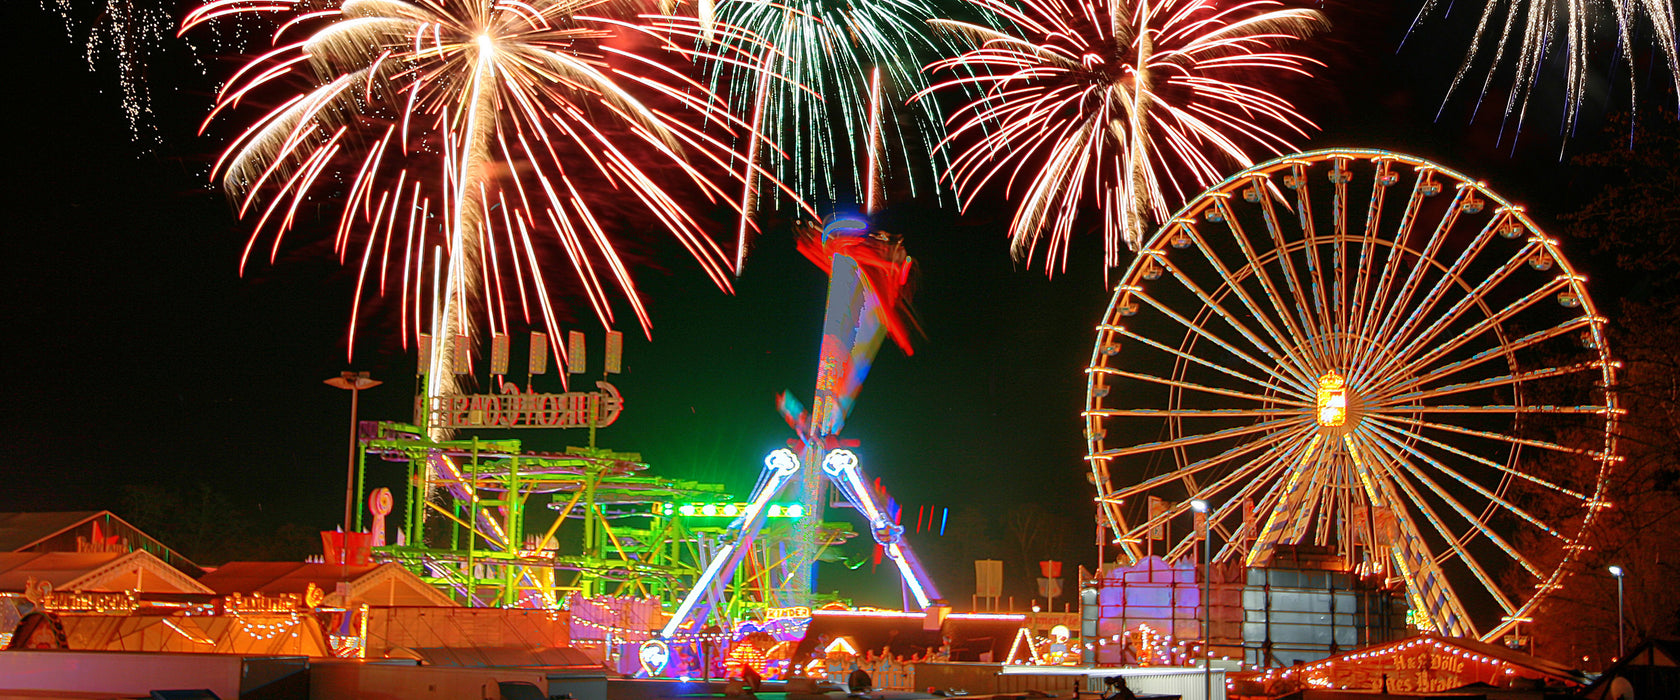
[1285, 414]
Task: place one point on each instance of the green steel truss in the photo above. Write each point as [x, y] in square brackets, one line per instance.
[466, 500]
[466, 519]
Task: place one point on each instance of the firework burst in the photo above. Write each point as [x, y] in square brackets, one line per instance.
[802, 71]
[1522, 36]
[1117, 101]
[470, 144]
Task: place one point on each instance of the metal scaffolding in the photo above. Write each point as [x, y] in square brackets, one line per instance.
[615, 531]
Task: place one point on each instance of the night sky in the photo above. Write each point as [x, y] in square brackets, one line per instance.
[138, 355]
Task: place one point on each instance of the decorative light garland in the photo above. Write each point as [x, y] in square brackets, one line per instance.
[265, 631]
[1428, 643]
[627, 632]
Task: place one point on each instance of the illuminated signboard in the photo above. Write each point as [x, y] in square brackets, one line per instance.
[41, 593]
[235, 604]
[82, 601]
[512, 409]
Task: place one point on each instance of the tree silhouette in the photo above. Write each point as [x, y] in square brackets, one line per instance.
[1633, 217]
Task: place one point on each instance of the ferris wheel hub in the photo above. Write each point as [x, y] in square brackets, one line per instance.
[1332, 400]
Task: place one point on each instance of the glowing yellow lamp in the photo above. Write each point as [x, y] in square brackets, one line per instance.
[1332, 400]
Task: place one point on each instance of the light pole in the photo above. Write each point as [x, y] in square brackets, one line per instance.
[1201, 506]
[1621, 635]
[355, 382]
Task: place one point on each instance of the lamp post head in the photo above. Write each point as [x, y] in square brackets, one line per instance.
[353, 380]
[1615, 571]
[1199, 505]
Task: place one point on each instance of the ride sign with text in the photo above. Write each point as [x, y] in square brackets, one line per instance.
[513, 409]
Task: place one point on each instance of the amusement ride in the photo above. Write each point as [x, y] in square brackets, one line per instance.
[868, 271]
[1369, 353]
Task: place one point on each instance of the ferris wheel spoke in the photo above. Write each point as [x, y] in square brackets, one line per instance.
[1194, 413]
[1224, 274]
[1425, 581]
[1527, 341]
[1139, 532]
[1412, 393]
[1269, 468]
[1225, 434]
[1239, 537]
[1466, 192]
[1351, 499]
[1392, 263]
[1288, 500]
[1207, 299]
[1461, 430]
[1335, 503]
[1127, 542]
[1475, 297]
[1193, 327]
[1201, 388]
[1488, 324]
[1501, 409]
[1281, 383]
[1470, 483]
[1199, 465]
[1297, 181]
[1300, 516]
[1488, 463]
[1256, 264]
[1392, 449]
[1233, 282]
[1454, 273]
[1491, 323]
[1338, 259]
[1367, 256]
[1261, 189]
[1270, 463]
[1453, 541]
[1415, 275]
[1270, 474]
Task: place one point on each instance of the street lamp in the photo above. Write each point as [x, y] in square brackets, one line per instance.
[1201, 506]
[1621, 635]
[355, 382]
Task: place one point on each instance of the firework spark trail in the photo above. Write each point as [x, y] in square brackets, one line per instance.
[129, 36]
[524, 104]
[1116, 100]
[1526, 33]
[811, 63]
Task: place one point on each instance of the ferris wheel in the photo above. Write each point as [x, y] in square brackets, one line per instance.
[1365, 352]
